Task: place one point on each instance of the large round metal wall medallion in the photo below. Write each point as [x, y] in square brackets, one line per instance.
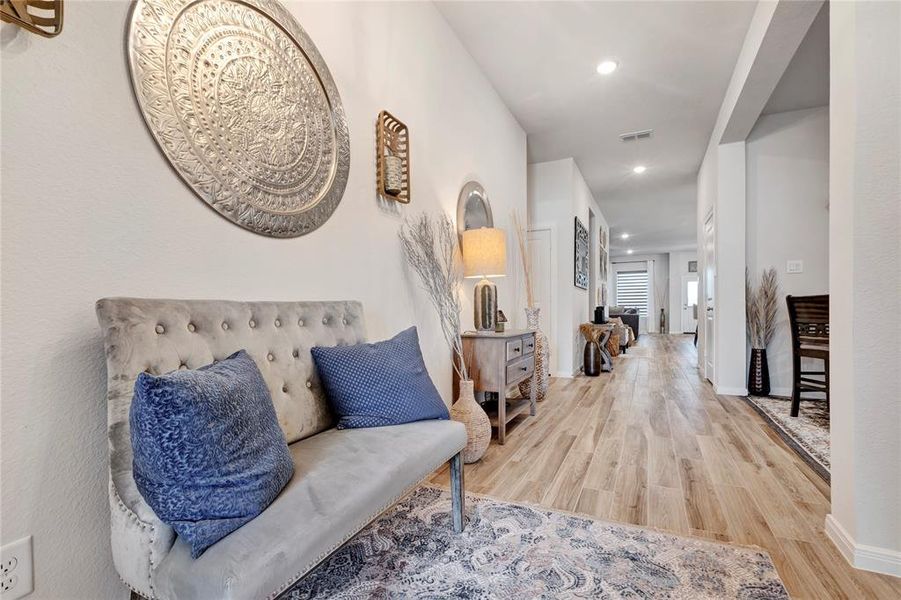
[244, 107]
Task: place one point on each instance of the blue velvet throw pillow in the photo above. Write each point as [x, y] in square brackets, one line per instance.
[209, 454]
[373, 385]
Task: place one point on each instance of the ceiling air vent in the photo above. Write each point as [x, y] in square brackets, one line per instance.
[634, 136]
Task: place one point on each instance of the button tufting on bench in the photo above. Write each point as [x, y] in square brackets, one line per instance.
[252, 323]
[300, 322]
[278, 323]
[296, 354]
[160, 329]
[270, 357]
[191, 327]
[344, 321]
[224, 326]
[325, 320]
[309, 384]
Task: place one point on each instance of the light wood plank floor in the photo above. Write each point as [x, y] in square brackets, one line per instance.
[651, 444]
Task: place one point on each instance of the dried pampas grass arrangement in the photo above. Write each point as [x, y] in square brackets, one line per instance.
[526, 260]
[761, 305]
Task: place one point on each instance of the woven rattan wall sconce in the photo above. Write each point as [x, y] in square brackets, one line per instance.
[392, 139]
[43, 17]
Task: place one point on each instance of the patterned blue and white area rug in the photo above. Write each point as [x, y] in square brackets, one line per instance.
[807, 434]
[525, 552]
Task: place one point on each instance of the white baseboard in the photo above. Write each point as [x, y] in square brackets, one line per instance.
[564, 375]
[730, 391]
[861, 556]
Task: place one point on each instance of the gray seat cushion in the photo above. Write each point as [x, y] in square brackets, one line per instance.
[342, 480]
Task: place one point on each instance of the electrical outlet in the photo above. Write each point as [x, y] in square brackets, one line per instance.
[794, 266]
[16, 574]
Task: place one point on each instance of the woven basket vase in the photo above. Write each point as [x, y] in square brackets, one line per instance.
[478, 427]
[542, 357]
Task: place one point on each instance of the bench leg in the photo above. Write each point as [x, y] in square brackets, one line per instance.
[456, 481]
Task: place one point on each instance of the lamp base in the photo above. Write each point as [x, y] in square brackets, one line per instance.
[485, 306]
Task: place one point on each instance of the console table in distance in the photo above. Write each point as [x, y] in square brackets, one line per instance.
[498, 361]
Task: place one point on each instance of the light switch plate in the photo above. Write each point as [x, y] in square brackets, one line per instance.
[794, 266]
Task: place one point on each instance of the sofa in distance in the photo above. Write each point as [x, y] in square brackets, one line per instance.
[342, 480]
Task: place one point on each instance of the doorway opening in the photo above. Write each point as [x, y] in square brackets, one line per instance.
[689, 303]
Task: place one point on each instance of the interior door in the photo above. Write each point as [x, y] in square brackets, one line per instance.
[542, 279]
[709, 298]
[689, 303]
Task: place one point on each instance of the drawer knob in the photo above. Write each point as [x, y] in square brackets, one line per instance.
[517, 349]
[524, 368]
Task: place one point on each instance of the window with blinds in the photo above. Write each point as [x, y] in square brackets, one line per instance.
[632, 290]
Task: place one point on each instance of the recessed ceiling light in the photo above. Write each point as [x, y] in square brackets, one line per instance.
[608, 66]
[630, 251]
[624, 236]
[639, 169]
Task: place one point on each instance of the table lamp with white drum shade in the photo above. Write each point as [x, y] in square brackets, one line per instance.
[484, 256]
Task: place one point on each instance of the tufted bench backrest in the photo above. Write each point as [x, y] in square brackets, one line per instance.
[159, 336]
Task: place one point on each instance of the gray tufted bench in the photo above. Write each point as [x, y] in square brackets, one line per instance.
[342, 479]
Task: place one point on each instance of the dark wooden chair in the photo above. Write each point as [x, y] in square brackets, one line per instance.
[809, 320]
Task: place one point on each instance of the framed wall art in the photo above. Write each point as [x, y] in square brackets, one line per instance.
[581, 256]
[603, 259]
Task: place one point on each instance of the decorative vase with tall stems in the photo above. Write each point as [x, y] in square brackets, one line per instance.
[760, 313]
[533, 320]
[542, 355]
[432, 249]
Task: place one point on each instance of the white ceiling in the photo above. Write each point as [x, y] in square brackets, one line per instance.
[676, 59]
[805, 83]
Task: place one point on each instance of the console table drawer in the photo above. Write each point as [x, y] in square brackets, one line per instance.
[519, 370]
[528, 345]
[514, 349]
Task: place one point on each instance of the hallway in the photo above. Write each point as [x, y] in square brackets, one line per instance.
[651, 444]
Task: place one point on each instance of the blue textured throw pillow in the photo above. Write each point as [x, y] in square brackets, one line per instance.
[209, 454]
[373, 385]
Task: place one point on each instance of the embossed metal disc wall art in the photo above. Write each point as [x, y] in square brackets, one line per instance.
[243, 106]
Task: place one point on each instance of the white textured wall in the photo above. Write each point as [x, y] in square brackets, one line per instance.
[707, 198]
[90, 208]
[787, 218]
[558, 194]
[721, 189]
[550, 190]
[731, 376]
[865, 280]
